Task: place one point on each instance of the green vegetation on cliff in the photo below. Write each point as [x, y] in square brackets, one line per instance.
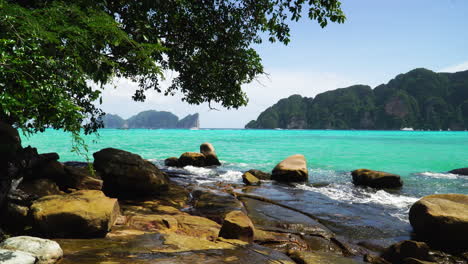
[420, 99]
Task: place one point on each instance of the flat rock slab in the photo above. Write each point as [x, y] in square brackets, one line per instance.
[46, 251]
[165, 249]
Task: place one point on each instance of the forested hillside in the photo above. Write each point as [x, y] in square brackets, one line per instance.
[421, 99]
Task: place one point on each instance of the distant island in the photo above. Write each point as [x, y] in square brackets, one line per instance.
[419, 99]
[152, 119]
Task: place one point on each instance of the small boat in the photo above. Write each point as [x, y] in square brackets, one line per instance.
[407, 129]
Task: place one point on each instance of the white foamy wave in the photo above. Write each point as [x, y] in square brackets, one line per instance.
[204, 181]
[352, 195]
[199, 171]
[439, 175]
[231, 176]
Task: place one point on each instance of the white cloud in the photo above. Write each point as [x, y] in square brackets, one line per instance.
[456, 68]
[262, 93]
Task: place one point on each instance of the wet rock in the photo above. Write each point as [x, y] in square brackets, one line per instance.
[40, 187]
[86, 213]
[211, 159]
[81, 178]
[16, 257]
[416, 261]
[292, 169]
[250, 179]
[308, 257]
[214, 204]
[442, 220]
[260, 174]
[396, 253]
[127, 174]
[237, 225]
[46, 251]
[461, 171]
[172, 162]
[373, 259]
[376, 179]
[192, 159]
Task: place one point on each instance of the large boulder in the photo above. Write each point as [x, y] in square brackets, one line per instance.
[81, 178]
[46, 251]
[292, 169]
[85, 213]
[237, 225]
[260, 174]
[127, 174]
[16, 257]
[461, 171]
[192, 159]
[376, 179]
[211, 159]
[172, 162]
[442, 220]
[40, 187]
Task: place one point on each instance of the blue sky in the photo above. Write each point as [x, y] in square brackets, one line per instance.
[380, 39]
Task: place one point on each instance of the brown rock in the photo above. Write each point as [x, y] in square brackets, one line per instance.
[237, 225]
[260, 174]
[249, 179]
[40, 187]
[396, 253]
[211, 159]
[81, 178]
[416, 261]
[172, 162]
[442, 219]
[292, 169]
[127, 174]
[376, 179]
[192, 159]
[86, 213]
[313, 257]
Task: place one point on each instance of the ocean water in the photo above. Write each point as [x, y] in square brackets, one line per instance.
[421, 158]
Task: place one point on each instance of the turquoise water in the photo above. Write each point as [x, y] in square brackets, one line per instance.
[421, 158]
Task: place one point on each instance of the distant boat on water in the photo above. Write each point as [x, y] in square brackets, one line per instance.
[407, 129]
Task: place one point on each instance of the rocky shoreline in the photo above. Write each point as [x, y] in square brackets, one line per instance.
[127, 210]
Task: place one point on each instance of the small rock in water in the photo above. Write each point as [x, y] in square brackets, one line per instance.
[376, 179]
[192, 159]
[172, 162]
[461, 171]
[211, 159]
[260, 174]
[16, 257]
[442, 219]
[237, 225]
[46, 251]
[292, 169]
[249, 179]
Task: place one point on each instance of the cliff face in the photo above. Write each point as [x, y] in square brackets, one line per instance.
[420, 99]
[151, 119]
[190, 121]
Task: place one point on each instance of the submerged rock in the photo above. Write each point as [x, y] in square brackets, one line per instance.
[127, 174]
[461, 171]
[237, 225]
[292, 169]
[86, 213]
[376, 179]
[442, 220]
[16, 257]
[46, 251]
[260, 174]
[250, 179]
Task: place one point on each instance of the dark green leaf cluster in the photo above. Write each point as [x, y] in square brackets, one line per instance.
[420, 99]
[51, 50]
